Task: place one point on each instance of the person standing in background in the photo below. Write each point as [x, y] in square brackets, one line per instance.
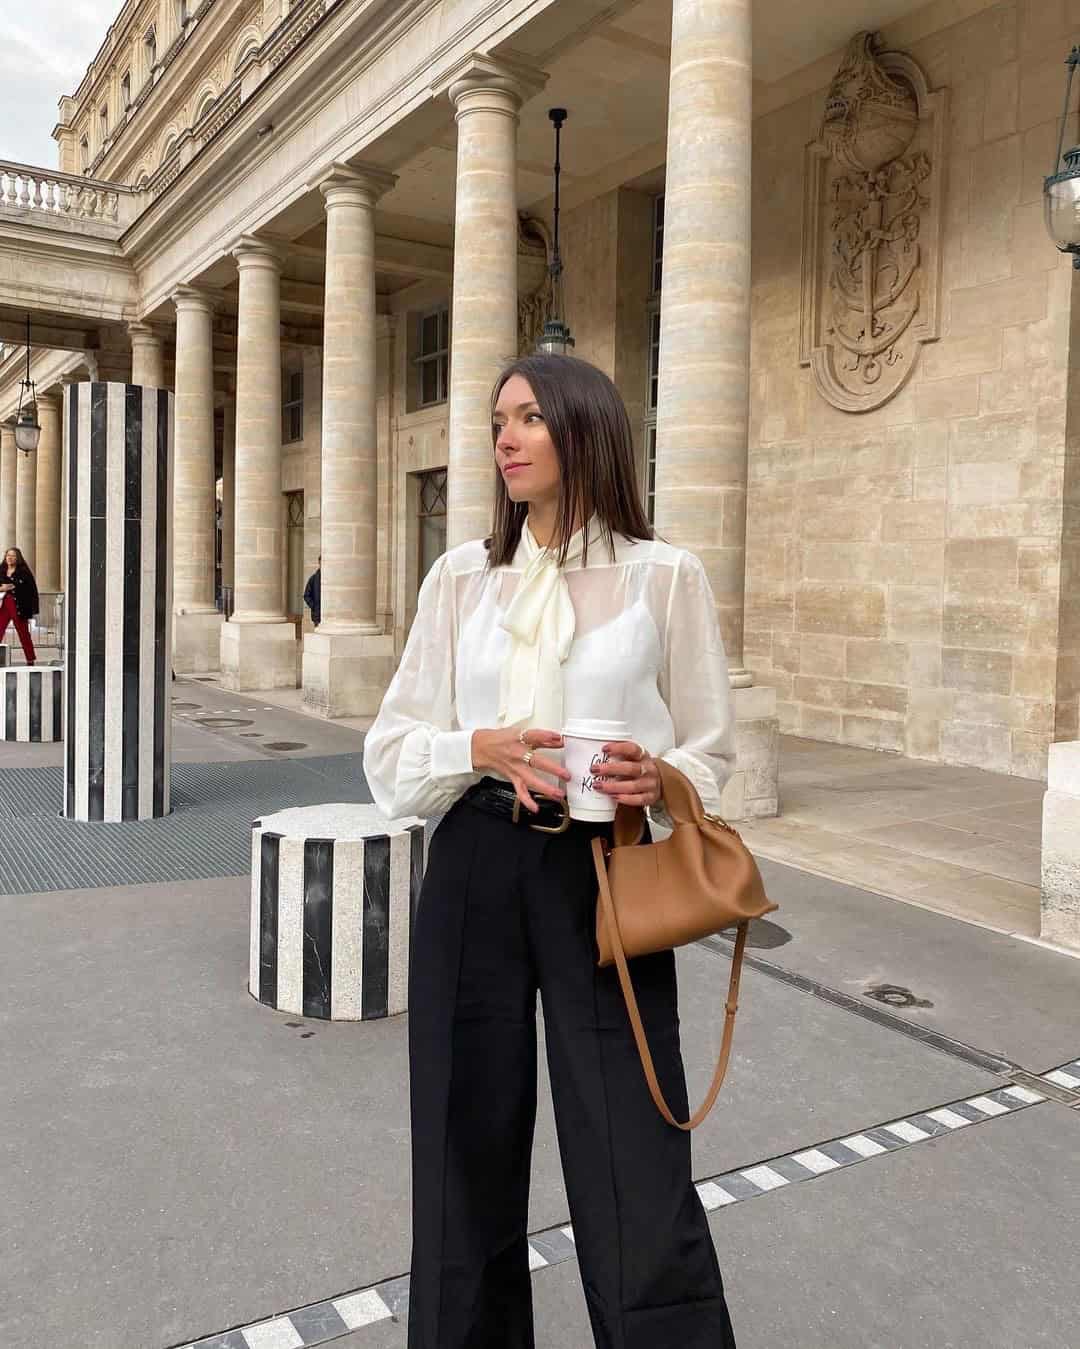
[313, 593]
[18, 600]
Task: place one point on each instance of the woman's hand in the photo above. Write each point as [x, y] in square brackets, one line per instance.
[503, 752]
[630, 775]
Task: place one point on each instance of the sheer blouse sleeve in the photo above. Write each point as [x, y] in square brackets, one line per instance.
[417, 760]
[696, 688]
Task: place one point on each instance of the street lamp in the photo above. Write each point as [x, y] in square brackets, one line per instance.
[556, 339]
[1061, 190]
[27, 430]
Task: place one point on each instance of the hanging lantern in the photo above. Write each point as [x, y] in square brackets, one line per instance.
[556, 339]
[27, 430]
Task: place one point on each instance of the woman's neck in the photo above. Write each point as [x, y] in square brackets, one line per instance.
[543, 523]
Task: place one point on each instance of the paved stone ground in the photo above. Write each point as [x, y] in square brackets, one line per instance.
[182, 1165]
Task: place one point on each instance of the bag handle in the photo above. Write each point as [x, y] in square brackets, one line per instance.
[640, 1038]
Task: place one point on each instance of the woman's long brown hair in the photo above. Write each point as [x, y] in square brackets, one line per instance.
[590, 429]
[20, 561]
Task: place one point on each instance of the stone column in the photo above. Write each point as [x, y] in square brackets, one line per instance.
[8, 490]
[47, 499]
[147, 356]
[349, 662]
[228, 494]
[197, 623]
[703, 413]
[258, 645]
[26, 506]
[484, 332]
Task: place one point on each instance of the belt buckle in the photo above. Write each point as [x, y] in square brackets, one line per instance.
[560, 828]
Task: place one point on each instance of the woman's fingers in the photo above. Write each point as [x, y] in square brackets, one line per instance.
[543, 765]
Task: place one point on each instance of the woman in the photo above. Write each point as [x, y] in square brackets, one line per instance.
[18, 600]
[570, 609]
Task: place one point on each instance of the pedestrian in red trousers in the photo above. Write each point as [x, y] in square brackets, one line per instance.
[18, 599]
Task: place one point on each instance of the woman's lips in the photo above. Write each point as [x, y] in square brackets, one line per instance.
[513, 468]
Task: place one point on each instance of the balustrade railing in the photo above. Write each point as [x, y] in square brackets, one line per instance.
[46, 192]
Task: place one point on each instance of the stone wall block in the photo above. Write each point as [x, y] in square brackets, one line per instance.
[914, 613]
[874, 733]
[956, 356]
[909, 520]
[996, 304]
[966, 743]
[985, 623]
[877, 662]
[976, 671]
[995, 438]
[856, 611]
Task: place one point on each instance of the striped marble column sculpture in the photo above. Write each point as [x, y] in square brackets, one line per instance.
[333, 890]
[119, 601]
[31, 703]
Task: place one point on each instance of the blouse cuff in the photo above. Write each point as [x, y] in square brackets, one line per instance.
[451, 754]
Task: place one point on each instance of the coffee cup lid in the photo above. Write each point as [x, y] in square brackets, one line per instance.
[586, 728]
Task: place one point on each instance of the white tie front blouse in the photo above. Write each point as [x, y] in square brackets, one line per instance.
[646, 650]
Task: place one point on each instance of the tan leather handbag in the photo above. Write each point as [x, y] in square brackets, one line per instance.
[656, 896]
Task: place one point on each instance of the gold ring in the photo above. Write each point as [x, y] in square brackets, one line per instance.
[641, 767]
[521, 736]
[528, 758]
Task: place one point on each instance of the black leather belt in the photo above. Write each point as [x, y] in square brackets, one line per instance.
[499, 798]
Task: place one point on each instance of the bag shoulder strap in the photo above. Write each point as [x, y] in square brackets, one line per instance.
[640, 1038]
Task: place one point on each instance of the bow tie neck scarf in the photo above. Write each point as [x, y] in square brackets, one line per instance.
[540, 620]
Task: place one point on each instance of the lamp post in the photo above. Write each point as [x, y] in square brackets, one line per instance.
[556, 339]
[1061, 190]
[27, 430]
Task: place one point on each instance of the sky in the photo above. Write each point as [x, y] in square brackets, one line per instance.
[45, 48]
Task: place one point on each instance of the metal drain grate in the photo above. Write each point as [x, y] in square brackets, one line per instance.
[208, 833]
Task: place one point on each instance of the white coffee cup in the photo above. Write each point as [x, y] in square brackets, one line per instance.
[583, 742]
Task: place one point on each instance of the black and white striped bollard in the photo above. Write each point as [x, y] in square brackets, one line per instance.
[31, 703]
[119, 440]
[333, 891]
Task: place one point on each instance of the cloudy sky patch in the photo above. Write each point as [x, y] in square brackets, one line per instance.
[46, 47]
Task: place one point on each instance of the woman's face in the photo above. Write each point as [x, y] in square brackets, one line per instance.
[524, 451]
[11, 557]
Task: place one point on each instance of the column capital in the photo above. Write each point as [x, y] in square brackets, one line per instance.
[143, 332]
[480, 83]
[355, 185]
[191, 298]
[252, 252]
[50, 398]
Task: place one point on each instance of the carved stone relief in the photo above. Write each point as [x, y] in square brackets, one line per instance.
[872, 228]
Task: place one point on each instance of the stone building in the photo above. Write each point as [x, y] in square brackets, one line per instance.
[847, 353]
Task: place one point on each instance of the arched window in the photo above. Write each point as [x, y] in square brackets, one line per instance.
[205, 104]
[170, 146]
[246, 50]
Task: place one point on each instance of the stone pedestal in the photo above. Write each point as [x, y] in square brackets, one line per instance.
[119, 601]
[333, 891]
[31, 703]
[753, 791]
[1061, 847]
[346, 674]
[197, 642]
[258, 655]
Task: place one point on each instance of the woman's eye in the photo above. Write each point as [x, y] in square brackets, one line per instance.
[534, 416]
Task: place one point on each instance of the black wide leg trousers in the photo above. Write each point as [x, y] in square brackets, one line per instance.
[506, 912]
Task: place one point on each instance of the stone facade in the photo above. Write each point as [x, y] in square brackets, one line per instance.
[910, 570]
[905, 584]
